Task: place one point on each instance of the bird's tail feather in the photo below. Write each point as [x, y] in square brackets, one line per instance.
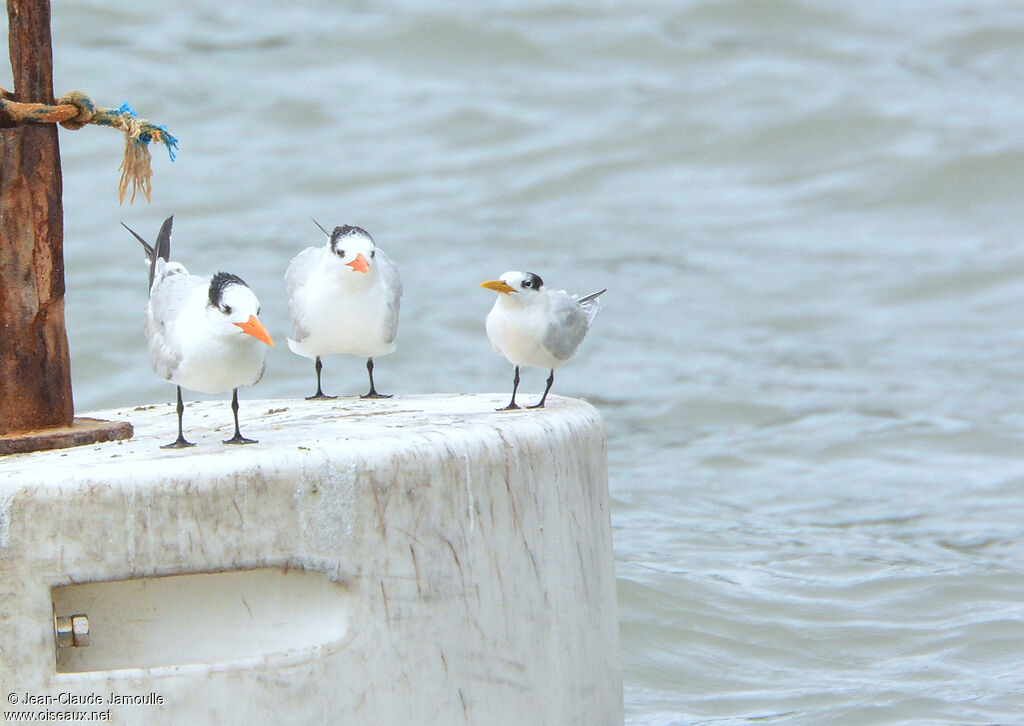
[321, 227]
[150, 252]
[163, 240]
[145, 245]
[591, 304]
[162, 251]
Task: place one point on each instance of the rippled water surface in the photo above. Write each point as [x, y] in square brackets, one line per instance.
[809, 218]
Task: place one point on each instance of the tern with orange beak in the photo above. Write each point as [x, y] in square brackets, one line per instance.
[203, 333]
[343, 298]
[533, 326]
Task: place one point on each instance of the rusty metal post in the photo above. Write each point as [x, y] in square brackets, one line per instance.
[36, 407]
[35, 365]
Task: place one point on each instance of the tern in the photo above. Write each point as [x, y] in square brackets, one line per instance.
[532, 326]
[202, 333]
[343, 297]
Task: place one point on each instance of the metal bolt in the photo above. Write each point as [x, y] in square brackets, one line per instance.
[72, 630]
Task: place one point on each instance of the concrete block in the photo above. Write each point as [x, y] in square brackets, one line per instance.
[415, 560]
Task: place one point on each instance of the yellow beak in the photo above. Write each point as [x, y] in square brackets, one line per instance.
[255, 328]
[498, 286]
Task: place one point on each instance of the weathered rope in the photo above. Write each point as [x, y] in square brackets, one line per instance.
[75, 109]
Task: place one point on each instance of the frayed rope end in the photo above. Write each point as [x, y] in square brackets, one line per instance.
[136, 169]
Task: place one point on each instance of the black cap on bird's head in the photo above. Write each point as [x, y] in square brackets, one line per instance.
[218, 283]
[340, 234]
[530, 281]
[351, 241]
[354, 247]
[236, 301]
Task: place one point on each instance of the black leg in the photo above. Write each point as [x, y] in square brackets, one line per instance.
[551, 379]
[373, 391]
[515, 386]
[237, 438]
[180, 443]
[319, 395]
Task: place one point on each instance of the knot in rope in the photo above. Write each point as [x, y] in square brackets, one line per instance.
[86, 109]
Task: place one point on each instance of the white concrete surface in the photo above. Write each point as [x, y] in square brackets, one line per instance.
[416, 560]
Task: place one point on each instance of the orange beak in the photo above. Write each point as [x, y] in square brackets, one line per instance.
[255, 328]
[359, 264]
[498, 286]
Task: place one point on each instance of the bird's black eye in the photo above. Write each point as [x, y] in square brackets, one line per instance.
[373, 253]
[341, 253]
[226, 309]
[527, 283]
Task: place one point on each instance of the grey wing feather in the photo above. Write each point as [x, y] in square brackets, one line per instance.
[567, 327]
[299, 270]
[388, 271]
[169, 294]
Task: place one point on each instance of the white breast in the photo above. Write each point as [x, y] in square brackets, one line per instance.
[517, 332]
[219, 366]
[336, 311]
